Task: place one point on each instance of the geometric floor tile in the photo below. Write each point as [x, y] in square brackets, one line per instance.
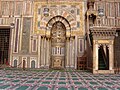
[57, 80]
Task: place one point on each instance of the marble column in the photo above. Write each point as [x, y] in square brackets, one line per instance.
[104, 48]
[67, 52]
[39, 51]
[76, 52]
[42, 51]
[96, 46]
[45, 51]
[95, 56]
[50, 51]
[111, 57]
[11, 45]
[72, 51]
[47, 54]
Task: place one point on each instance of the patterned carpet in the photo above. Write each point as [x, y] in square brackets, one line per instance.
[56, 80]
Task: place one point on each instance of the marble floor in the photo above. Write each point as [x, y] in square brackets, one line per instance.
[57, 80]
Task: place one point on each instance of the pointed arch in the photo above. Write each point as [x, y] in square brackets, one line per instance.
[56, 19]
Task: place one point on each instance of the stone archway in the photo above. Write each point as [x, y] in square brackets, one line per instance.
[103, 43]
[58, 42]
[59, 32]
[57, 28]
[33, 64]
[56, 19]
[15, 63]
[5, 36]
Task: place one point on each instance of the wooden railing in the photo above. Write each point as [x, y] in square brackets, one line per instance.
[82, 63]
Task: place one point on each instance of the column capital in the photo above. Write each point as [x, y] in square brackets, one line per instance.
[95, 42]
[111, 42]
[111, 57]
[68, 38]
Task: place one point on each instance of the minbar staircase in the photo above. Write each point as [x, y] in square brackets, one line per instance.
[103, 61]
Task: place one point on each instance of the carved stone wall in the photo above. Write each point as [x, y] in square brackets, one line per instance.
[33, 28]
[111, 9]
[117, 50]
[26, 35]
[72, 12]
